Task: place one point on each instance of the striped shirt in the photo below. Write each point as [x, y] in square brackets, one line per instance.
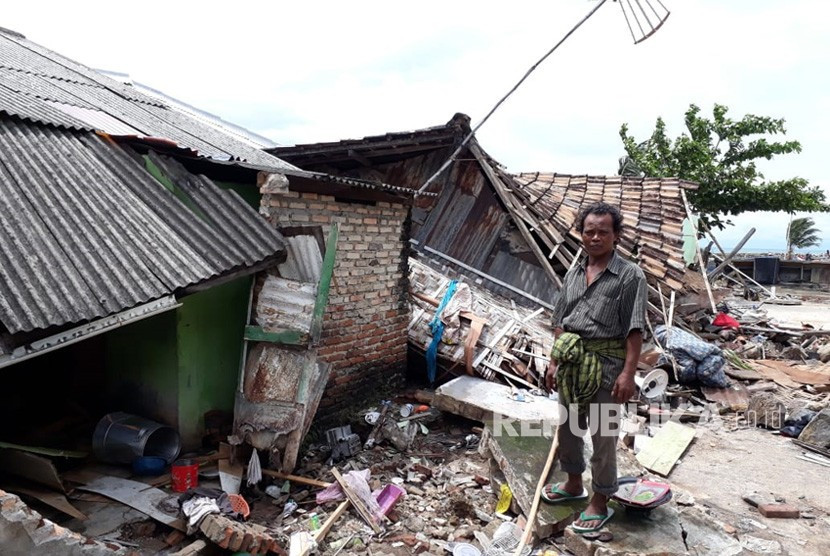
[610, 308]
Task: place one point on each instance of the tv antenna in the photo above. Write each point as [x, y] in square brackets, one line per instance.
[643, 17]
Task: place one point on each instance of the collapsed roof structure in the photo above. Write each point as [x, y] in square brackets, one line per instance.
[510, 234]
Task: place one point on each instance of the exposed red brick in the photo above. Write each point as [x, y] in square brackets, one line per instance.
[784, 511]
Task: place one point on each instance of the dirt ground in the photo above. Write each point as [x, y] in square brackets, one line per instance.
[814, 309]
[723, 465]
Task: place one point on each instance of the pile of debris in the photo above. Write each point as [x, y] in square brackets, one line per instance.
[483, 334]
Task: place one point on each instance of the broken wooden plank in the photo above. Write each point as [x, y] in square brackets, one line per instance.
[137, 495]
[320, 534]
[788, 376]
[295, 478]
[663, 451]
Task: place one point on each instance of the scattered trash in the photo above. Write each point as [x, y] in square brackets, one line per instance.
[506, 496]
[343, 442]
[290, 507]
[388, 497]
[464, 549]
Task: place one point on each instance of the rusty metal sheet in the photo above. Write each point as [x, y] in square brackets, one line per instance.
[273, 373]
[735, 397]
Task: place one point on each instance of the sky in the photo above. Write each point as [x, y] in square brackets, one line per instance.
[300, 72]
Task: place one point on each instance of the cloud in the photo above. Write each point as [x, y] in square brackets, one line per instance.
[324, 70]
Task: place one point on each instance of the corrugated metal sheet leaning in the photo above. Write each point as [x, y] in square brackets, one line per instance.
[88, 232]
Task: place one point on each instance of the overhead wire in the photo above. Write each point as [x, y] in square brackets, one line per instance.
[472, 132]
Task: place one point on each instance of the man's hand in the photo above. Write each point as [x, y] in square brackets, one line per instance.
[624, 387]
[550, 376]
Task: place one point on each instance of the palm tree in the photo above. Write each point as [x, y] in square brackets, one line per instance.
[801, 233]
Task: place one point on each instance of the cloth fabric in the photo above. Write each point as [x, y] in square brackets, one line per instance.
[579, 371]
[697, 361]
[604, 458]
[436, 327]
[725, 321]
[196, 509]
[219, 496]
[254, 469]
[462, 300]
[611, 307]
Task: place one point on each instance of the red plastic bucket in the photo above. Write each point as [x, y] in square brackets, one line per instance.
[185, 474]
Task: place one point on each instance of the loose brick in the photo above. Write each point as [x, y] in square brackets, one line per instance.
[784, 511]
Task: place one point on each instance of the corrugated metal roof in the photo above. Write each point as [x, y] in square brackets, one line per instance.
[33, 76]
[88, 232]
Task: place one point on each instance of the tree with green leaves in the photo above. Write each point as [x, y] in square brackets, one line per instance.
[802, 233]
[720, 155]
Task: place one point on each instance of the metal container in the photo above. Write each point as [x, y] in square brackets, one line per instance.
[121, 438]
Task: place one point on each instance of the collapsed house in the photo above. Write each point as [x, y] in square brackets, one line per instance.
[158, 263]
[510, 235]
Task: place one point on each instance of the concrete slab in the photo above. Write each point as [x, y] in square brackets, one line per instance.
[666, 530]
[522, 460]
[479, 399]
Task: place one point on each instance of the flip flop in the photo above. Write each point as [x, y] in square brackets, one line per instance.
[582, 517]
[562, 496]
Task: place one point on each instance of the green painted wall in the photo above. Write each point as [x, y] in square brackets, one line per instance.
[210, 327]
[176, 366]
[141, 368]
[249, 192]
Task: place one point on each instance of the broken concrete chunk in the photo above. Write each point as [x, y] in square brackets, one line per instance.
[817, 431]
[753, 499]
[765, 410]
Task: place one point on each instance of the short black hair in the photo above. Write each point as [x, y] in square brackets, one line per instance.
[600, 209]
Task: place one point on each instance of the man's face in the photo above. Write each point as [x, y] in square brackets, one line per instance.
[598, 237]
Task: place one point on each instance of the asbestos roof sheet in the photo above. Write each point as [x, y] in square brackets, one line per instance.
[42, 86]
[89, 232]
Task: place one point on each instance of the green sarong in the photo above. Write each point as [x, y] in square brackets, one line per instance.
[579, 370]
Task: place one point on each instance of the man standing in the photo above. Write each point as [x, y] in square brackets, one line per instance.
[598, 323]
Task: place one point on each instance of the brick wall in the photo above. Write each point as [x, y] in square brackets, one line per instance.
[364, 334]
